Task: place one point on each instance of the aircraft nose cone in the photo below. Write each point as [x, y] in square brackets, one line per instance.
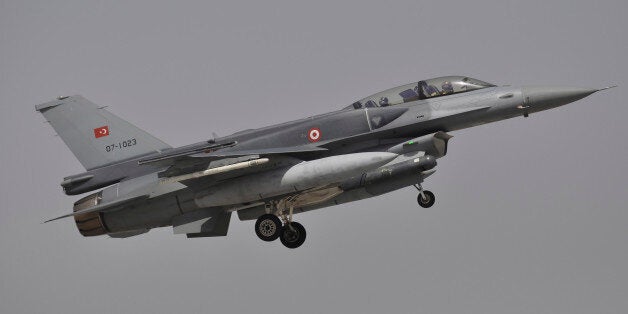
[546, 97]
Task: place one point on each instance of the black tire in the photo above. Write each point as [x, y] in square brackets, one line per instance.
[428, 201]
[268, 227]
[292, 239]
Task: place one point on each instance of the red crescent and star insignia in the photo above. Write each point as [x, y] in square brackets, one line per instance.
[314, 135]
[101, 131]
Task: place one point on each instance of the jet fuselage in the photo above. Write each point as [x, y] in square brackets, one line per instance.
[381, 143]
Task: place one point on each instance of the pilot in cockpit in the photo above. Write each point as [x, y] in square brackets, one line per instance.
[428, 90]
[383, 102]
[447, 88]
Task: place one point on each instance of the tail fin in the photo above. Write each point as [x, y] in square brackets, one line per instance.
[94, 135]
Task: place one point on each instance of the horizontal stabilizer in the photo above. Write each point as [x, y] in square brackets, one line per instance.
[104, 207]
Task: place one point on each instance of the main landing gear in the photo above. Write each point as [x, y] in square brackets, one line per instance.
[268, 227]
[292, 235]
[425, 198]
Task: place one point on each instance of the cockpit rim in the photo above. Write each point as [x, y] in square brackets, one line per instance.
[422, 90]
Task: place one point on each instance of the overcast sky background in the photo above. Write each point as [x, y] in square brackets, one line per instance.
[531, 214]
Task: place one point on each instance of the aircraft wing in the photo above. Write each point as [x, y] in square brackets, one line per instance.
[190, 162]
[171, 156]
[265, 151]
[215, 152]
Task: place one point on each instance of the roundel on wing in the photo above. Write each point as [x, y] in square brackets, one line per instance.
[314, 134]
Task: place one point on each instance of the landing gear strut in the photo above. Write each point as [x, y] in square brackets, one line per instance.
[425, 198]
[269, 227]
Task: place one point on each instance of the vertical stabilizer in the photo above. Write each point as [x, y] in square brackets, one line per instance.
[94, 135]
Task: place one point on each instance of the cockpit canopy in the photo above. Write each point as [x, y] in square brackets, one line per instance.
[436, 87]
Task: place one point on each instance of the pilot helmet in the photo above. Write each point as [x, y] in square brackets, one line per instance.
[447, 87]
[383, 101]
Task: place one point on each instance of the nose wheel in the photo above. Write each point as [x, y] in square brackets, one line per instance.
[425, 198]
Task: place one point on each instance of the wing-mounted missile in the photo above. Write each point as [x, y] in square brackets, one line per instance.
[433, 144]
[215, 170]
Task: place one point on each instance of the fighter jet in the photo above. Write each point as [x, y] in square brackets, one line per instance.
[381, 143]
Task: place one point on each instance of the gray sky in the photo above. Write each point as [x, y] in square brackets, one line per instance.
[531, 214]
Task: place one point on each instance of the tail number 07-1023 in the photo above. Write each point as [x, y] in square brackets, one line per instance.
[121, 145]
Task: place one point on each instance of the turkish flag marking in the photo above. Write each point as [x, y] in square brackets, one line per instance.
[314, 134]
[101, 131]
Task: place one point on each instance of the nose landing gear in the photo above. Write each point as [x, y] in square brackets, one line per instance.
[425, 198]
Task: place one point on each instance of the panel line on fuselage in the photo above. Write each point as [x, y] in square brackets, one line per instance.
[368, 119]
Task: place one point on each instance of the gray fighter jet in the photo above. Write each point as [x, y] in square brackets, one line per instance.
[376, 145]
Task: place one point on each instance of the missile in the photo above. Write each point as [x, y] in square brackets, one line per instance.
[217, 170]
[295, 178]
